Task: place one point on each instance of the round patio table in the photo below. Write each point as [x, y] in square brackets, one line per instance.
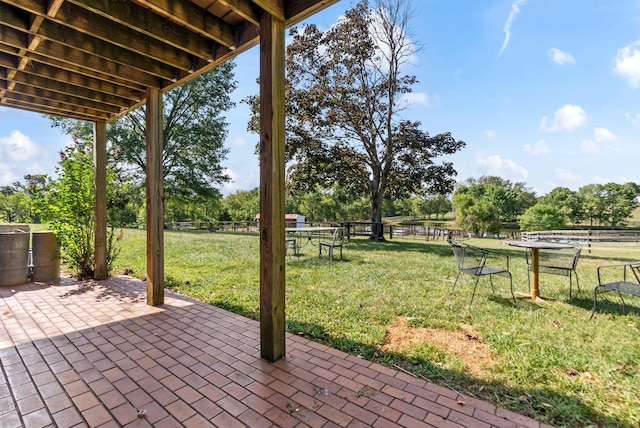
[535, 247]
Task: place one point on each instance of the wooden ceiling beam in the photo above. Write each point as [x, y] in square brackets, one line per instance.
[60, 108]
[68, 89]
[96, 58]
[47, 94]
[134, 16]
[57, 54]
[94, 32]
[274, 8]
[54, 32]
[123, 36]
[298, 10]
[73, 68]
[52, 111]
[194, 18]
[245, 9]
[64, 76]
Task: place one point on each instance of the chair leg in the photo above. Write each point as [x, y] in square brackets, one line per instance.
[624, 309]
[511, 287]
[474, 289]
[595, 301]
[493, 291]
[571, 282]
[455, 282]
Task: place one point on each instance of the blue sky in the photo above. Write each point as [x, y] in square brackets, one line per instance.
[542, 91]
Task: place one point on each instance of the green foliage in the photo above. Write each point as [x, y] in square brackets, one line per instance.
[14, 207]
[195, 208]
[69, 208]
[542, 217]
[483, 204]
[428, 204]
[608, 204]
[333, 204]
[570, 203]
[243, 205]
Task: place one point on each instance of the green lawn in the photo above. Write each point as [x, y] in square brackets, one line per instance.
[391, 302]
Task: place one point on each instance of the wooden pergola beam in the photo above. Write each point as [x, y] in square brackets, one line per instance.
[100, 199]
[154, 199]
[272, 184]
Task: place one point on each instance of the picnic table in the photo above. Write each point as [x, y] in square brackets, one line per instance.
[299, 237]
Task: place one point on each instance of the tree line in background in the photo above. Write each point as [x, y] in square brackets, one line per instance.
[483, 206]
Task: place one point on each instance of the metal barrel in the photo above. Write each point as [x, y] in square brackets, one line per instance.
[14, 258]
[45, 250]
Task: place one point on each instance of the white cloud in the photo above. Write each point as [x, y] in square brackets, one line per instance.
[538, 148]
[490, 134]
[560, 57]
[628, 63]
[515, 10]
[633, 119]
[18, 147]
[7, 177]
[501, 167]
[565, 177]
[414, 99]
[566, 118]
[589, 146]
[603, 135]
[241, 179]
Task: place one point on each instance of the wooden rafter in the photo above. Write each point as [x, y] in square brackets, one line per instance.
[77, 58]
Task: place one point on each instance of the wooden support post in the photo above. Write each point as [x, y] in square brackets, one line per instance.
[100, 199]
[155, 207]
[272, 168]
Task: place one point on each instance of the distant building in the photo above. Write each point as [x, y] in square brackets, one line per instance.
[290, 220]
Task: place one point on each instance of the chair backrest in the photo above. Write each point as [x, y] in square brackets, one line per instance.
[635, 268]
[338, 236]
[467, 256]
[565, 258]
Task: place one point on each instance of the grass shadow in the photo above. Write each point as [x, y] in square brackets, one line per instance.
[609, 304]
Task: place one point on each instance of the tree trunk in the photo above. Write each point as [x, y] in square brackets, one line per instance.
[377, 229]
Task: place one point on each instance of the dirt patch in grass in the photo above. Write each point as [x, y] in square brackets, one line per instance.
[465, 343]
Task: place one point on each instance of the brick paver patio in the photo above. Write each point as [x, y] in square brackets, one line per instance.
[95, 354]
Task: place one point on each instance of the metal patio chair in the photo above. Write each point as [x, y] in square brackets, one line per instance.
[479, 262]
[336, 242]
[561, 262]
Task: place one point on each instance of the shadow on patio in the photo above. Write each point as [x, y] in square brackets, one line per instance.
[95, 354]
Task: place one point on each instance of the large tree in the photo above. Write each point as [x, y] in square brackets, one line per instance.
[194, 132]
[345, 92]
